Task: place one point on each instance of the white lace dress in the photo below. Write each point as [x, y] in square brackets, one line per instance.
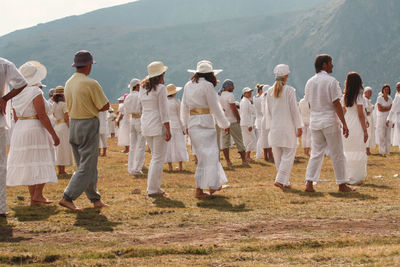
[31, 159]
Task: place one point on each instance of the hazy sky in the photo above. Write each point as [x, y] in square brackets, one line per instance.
[19, 14]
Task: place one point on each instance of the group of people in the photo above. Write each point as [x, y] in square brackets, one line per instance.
[330, 122]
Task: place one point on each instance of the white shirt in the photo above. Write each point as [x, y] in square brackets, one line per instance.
[321, 91]
[247, 113]
[305, 112]
[202, 95]
[23, 102]
[257, 101]
[9, 74]
[382, 116]
[154, 110]
[226, 99]
[174, 112]
[58, 109]
[394, 114]
[132, 105]
[103, 122]
[284, 116]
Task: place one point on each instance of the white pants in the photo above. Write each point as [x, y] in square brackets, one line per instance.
[284, 159]
[102, 140]
[330, 137]
[3, 169]
[158, 147]
[260, 149]
[384, 134]
[306, 137]
[249, 139]
[136, 150]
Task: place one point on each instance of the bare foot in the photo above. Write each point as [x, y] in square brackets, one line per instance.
[309, 187]
[345, 188]
[212, 191]
[245, 163]
[42, 200]
[202, 195]
[251, 161]
[287, 187]
[99, 204]
[279, 185]
[69, 205]
[229, 164]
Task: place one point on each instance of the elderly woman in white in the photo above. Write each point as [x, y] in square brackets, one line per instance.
[285, 125]
[155, 123]
[369, 108]
[247, 120]
[133, 109]
[31, 159]
[384, 104]
[199, 106]
[304, 108]
[176, 147]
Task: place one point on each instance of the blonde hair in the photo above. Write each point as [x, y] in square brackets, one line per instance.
[278, 87]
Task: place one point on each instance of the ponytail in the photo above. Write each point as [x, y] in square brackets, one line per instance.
[278, 87]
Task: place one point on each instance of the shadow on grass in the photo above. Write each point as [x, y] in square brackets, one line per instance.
[179, 172]
[221, 203]
[34, 213]
[377, 186]
[6, 232]
[263, 164]
[353, 195]
[93, 221]
[64, 176]
[304, 193]
[163, 202]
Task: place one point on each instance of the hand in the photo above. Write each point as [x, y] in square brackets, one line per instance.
[250, 129]
[56, 140]
[226, 131]
[168, 135]
[365, 136]
[345, 131]
[3, 105]
[367, 124]
[387, 123]
[299, 132]
[393, 125]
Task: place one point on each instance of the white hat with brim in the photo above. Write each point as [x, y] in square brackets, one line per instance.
[366, 89]
[172, 89]
[155, 69]
[33, 72]
[120, 98]
[205, 66]
[133, 83]
[246, 89]
[281, 70]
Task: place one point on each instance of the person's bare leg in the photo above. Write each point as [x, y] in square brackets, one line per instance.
[200, 194]
[270, 155]
[212, 191]
[61, 169]
[195, 159]
[243, 156]
[180, 166]
[226, 155]
[104, 152]
[31, 189]
[309, 186]
[266, 154]
[345, 188]
[170, 166]
[126, 149]
[38, 195]
[368, 151]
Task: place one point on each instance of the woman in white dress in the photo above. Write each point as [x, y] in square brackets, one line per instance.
[257, 102]
[124, 127]
[111, 123]
[155, 123]
[384, 104]
[64, 155]
[247, 120]
[285, 125]
[265, 125]
[200, 107]
[176, 147]
[304, 108]
[103, 133]
[369, 108]
[31, 159]
[355, 145]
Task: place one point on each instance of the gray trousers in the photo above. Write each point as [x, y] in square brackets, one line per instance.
[84, 139]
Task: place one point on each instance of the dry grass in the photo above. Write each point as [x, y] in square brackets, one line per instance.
[249, 223]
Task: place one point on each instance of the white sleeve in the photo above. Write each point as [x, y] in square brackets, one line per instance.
[294, 110]
[215, 107]
[163, 104]
[184, 112]
[335, 92]
[14, 77]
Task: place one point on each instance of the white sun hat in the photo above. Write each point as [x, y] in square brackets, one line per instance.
[205, 66]
[156, 68]
[33, 72]
[246, 89]
[172, 89]
[281, 70]
[133, 83]
[266, 87]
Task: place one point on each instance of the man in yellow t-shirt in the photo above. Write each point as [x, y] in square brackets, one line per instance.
[85, 98]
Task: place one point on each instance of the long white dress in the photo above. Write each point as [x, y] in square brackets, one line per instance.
[31, 159]
[248, 117]
[354, 146]
[257, 101]
[64, 155]
[176, 147]
[305, 116]
[383, 132]
[124, 128]
[394, 118]
[369, 107]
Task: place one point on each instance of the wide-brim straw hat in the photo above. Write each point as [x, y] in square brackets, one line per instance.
[155, 69]
[172, 89]
[205, 66]
[59, 90]
[33, 72]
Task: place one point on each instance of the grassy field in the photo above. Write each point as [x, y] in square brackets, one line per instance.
[249, 223]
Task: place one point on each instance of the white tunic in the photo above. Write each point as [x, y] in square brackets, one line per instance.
[247, 115]
[382, 116]
[284, 117]
[124, 128]
[257, 101]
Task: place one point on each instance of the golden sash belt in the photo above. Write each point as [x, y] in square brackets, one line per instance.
[200, 111]
[136, 115]
[29, 118]
[60, 121]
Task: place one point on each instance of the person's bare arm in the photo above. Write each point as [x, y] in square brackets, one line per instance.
[339, 113]
[361, 117]
[66, 118]
[38, 103]
[235, 111]
[106, 107]
[11, 94]
[384, 109]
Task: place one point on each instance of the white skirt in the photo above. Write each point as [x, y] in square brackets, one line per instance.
[64, 155]
[124, 132]
[176, 147]
[209, 172]
[249, 139]
[31, 159]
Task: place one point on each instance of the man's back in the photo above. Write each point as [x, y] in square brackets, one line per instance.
[226, 99]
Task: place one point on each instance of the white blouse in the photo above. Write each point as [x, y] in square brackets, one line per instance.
[257, 101]
[202, 95]
[382, 116]
[132, 105]
[174, 111]
[59, 109]
[154, 110]
[23, 102]
[247, 113]
[284, 117]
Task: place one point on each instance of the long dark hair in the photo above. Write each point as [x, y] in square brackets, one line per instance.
[152, 83]
[385, 86]
[352, 87]
[210, 77]
[58, 98]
